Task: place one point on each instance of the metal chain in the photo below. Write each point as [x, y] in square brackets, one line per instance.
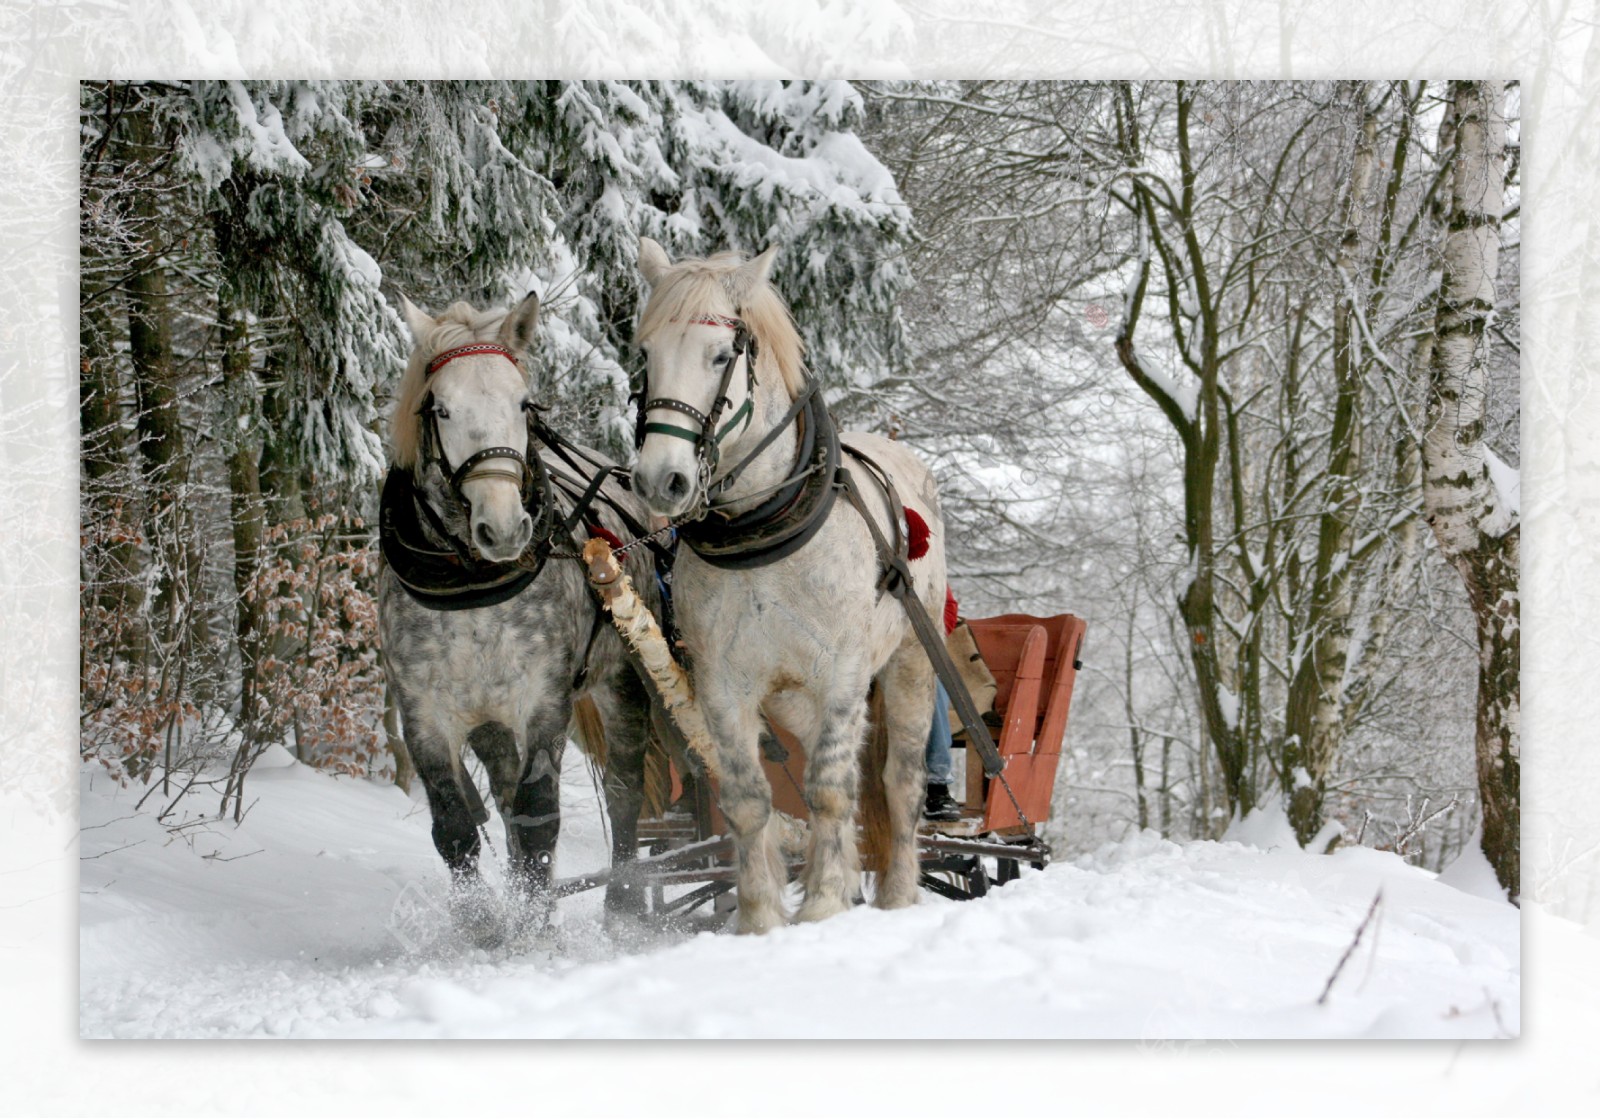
[1012, 797]
[629, 546]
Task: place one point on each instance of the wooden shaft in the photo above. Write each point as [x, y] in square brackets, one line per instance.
[641, 633]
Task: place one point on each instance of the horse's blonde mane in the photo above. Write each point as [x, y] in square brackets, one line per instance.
[459, 324]
[692, 287]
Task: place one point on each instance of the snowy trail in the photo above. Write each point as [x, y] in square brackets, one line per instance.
[289, 937]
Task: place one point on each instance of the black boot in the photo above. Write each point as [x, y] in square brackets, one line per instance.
[940, 804]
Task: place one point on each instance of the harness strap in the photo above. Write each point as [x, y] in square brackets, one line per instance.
[566, 450]
[580, 508]
[581, 677]
[801, 403]
[898, 583]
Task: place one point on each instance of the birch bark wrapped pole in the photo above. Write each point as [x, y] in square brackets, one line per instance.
[638, 628]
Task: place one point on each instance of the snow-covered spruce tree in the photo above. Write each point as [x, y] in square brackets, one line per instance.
[279, 164]
[705, 167]
[281, 216]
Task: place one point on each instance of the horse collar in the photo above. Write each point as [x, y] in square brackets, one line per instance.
[788, 518]
[440, 578]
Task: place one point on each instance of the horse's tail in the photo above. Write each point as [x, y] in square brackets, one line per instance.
[589, 732]
[874, 795]
[657, 777]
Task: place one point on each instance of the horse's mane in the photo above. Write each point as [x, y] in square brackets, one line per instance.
[691, 287]
[459, 324]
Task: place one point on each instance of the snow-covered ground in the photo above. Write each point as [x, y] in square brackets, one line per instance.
[285, 927]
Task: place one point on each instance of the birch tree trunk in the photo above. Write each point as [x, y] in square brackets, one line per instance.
[1477, 531]
[1315, 721]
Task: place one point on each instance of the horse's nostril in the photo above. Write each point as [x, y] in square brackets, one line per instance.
[525, 530]
[485, 536]
[677, 485]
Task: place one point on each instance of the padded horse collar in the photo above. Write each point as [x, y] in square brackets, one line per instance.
[447, 577]
[790, 517]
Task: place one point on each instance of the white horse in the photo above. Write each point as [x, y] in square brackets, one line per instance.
[805, 633]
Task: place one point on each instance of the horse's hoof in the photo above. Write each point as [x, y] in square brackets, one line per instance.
[819, 908]
[758, 922]
[478, 914]
[624, 899]
[896, 899]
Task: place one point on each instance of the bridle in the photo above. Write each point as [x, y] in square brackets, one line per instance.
[529, 470]
[708, 438]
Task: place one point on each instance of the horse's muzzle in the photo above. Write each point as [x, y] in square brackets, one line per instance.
[666, 492]
[499, 544]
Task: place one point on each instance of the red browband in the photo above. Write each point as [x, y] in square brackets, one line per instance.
[469, 350]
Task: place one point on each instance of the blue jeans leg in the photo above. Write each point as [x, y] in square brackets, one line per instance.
[937, 754]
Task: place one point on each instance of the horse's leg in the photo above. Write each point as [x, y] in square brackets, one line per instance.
[908, 694]
[455, 830]
[533, 809]
[745, 797]
[833, 866]
[624, 709]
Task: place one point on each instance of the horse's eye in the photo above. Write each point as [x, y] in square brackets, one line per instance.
[721, 359]
[440, 412]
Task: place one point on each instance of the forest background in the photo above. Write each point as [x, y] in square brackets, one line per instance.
[1171, 345]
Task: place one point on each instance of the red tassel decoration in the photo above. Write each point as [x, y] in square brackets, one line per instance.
[916, 534]
[605, 534]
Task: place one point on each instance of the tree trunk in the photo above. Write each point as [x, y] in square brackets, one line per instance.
[241, 424]
[1477, 532]
[106, 492]
[177, 619]
[280, 463]
[1314, 723]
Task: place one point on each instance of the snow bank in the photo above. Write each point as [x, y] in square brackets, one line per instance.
[280, 928]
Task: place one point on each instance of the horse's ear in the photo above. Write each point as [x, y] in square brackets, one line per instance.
[653, 262]
[516, 332]
[417, 319]
[749, 276]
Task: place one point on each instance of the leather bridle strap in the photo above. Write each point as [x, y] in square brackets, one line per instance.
[710, 436]
[473, 467]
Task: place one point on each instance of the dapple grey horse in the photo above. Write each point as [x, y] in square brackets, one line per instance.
[502, 676]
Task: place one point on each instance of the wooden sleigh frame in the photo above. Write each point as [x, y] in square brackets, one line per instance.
[1035, 662]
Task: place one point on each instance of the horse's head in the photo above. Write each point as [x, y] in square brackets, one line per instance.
[705, 326]
[460, 421]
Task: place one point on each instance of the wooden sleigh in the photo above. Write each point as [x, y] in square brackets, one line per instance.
[1034, 662]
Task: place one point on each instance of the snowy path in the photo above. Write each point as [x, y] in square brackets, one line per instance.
[289, 938]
